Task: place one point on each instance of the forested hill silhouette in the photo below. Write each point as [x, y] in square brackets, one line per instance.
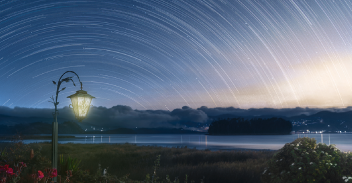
[255, 126]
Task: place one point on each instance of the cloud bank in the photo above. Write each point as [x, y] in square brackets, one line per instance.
[125, 116]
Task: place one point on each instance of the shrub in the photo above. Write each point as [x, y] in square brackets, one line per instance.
[305, 161]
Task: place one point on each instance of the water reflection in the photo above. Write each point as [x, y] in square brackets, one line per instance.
[272, 142]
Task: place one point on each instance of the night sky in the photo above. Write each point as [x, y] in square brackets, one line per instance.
[162, 55]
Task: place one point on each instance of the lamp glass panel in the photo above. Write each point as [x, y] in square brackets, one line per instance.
[83, 105]
[74, 101]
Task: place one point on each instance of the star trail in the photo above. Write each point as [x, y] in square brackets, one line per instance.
[162, 55]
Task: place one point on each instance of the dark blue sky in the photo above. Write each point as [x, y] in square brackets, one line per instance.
[162, 55]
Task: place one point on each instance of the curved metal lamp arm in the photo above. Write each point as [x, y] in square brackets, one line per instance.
[67, 80]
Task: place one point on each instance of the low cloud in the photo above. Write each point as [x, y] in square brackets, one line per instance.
[116, 116]
[268, 111]
[125, 116]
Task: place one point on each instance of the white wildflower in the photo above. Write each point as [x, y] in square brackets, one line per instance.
[293, 164]
[311, 163]
[299, 168]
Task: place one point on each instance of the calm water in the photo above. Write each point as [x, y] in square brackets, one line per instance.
[270, 142]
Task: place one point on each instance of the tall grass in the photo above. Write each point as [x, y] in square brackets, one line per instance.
[138, 161]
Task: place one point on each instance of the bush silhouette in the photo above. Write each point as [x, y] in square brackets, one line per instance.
[305, 161]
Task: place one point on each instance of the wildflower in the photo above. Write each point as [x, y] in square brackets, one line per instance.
[293, 164]
[322, 152]
[4, 168]
[344, 177]
[311, 163]
[335, 164]
[10, 171]
[307, 153]
[53, 173]
[40, 174]
[299, 168]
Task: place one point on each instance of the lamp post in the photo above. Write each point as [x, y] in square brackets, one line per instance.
[80, 103]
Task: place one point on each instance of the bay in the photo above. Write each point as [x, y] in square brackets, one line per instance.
[211, 142]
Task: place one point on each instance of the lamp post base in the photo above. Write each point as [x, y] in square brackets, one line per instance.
[55, 147]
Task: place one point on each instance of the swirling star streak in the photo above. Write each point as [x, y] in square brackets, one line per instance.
[168, 54]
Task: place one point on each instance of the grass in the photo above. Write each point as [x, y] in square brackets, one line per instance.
[138, 161]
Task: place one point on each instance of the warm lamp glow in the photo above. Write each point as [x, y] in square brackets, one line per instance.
[81, 103]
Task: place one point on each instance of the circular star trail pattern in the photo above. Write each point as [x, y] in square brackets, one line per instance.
[162, 55]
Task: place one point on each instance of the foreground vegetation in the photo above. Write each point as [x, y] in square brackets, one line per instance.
[131, 163]
[303, 160]
[299, 161]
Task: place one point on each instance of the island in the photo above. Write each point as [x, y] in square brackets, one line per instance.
[254, 126]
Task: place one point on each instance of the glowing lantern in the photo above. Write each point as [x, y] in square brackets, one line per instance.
[80, 103]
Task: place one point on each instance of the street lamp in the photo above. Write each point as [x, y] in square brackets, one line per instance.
[80, 102]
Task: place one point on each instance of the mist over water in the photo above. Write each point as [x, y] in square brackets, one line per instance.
[253, 142]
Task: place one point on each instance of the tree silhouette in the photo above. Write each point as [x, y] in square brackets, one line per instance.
[254, 126]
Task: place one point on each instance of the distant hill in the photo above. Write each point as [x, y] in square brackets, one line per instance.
[73, 128]
[226, 116]
[41, 128]
[152, 131]
[13, 120]
[254, 126]
[324, 120]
